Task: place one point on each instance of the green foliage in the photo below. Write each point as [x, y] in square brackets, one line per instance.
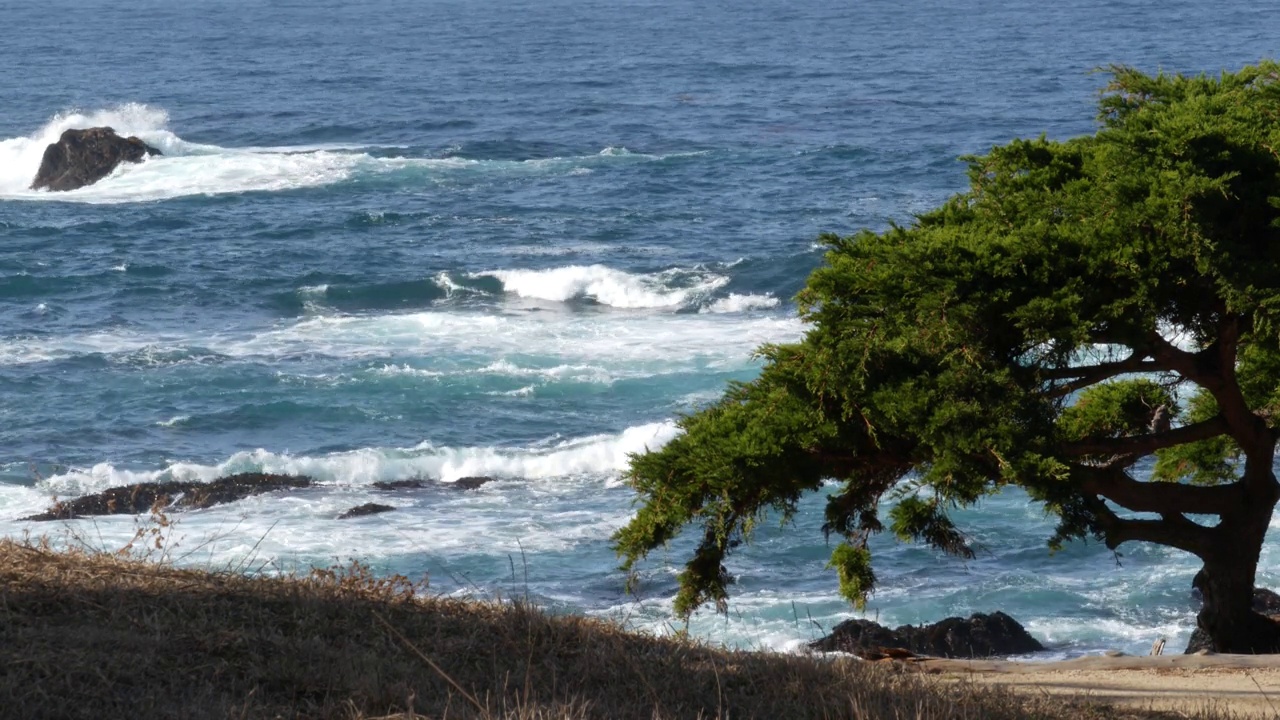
[1117, 409]
[1008, 337]
[853, 567]
[1205, 462]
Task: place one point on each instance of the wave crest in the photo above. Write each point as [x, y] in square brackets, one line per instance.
[597, 455]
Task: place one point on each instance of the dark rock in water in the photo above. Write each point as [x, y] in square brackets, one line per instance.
[366, 509]
[414, 484]
[172, 495]
[83, 157]
[466, 483]
[978, 636]
[1265, 603]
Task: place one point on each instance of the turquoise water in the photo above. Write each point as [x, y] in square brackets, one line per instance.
[435, 239]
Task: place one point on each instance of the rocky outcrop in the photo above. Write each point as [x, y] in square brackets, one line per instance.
[466, 483]
[979, 635]
[168, 496]
[365, 509]
[1265, 603]
[83, 157]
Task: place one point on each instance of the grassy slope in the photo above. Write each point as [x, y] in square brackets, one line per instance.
[88, 635]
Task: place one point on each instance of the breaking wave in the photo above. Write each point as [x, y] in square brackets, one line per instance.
[597, 455]
[676, 289]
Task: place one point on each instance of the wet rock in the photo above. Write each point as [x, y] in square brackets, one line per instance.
[366, 509]
[1265, 602]
[83, 157]
[169, 496]
[414, 484]
[979, 635]
[466, 483]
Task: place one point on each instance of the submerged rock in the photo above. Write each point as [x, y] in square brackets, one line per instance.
[977, 636]
[471, 483]
[366, 509]
[172, 495]
[83, 157]
[1265, 602]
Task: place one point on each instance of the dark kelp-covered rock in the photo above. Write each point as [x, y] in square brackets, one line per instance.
[171, 495]
[977, 636]
[1265, 602]
[365, 509]
[83, 157]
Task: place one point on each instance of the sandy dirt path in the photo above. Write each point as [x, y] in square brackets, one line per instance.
[1248, 685]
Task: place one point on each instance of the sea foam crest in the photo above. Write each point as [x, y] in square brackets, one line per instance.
[597, 455]
[608, 286]
[741, 303]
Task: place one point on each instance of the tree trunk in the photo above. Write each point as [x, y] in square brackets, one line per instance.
[1230, 564]
[1227, 615]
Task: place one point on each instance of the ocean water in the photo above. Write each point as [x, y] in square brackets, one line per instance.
[393, 240]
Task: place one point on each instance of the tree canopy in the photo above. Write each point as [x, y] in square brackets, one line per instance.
[1086, 304]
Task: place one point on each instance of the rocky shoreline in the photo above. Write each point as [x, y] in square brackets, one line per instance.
[978, 636]
[175, 495]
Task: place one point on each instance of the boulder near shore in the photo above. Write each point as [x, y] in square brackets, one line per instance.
[978, 636]
[83, 157]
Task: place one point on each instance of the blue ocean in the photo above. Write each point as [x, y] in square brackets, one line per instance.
[400, 240]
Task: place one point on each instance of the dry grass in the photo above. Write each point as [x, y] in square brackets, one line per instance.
[95, 635]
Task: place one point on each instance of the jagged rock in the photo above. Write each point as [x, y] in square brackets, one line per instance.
[83, 157]
[172, 495]
[978, 636]
[1265, 602]
[366, 509]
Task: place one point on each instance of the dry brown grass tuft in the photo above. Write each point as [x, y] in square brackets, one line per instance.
[95, 635]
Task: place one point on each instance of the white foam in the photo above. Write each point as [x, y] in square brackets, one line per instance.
[574, 339]
[187, 168]
[404, 369]
[571, 339]
[594, 455]
[607, 286]
[174, 421]
[736, 303]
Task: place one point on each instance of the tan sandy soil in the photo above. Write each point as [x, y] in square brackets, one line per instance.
[1248, 685]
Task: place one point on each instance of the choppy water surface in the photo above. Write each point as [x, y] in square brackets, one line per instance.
[394, 240]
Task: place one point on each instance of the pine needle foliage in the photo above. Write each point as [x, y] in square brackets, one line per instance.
[1083, 305]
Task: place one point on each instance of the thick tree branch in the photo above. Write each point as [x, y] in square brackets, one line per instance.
[1213, 369]
[1120, 488]
[1139, 445]
[1085, 375]
[1172, 529]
